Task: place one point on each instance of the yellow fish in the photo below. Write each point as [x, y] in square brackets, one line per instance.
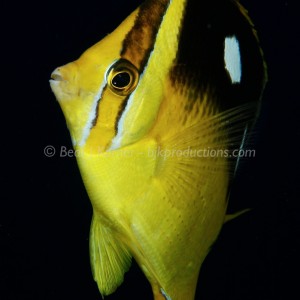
[155, 111]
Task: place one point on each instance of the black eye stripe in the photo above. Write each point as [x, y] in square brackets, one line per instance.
[145, 29]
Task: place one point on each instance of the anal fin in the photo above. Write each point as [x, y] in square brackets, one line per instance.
[110, 258]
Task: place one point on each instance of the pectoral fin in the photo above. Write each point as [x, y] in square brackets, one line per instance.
[110, 258]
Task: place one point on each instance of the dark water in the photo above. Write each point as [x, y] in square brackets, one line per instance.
[44, 210]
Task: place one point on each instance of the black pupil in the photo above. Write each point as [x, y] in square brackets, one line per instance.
[121, 80]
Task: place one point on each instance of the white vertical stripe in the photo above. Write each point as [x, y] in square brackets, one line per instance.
[116, 142]
[92, 115]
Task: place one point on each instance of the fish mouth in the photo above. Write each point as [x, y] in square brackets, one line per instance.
[56, 76]
[55, 81]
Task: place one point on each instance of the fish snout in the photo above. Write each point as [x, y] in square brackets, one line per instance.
[57, 83]
[56, 75]
[63, 82]
[66, 73]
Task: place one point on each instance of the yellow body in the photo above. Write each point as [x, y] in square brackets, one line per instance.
[154, 196]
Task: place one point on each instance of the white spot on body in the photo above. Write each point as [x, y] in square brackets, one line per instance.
[232, 57]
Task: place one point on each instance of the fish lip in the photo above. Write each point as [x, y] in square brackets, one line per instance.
[56, 76]
[54, 84]
[53, 81]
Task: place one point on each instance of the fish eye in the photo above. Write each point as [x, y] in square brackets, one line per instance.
[121, 80]
[122, 77]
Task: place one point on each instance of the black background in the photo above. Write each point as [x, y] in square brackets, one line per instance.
[44, 210]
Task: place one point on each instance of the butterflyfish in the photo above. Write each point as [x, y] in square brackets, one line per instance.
[177, 79]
